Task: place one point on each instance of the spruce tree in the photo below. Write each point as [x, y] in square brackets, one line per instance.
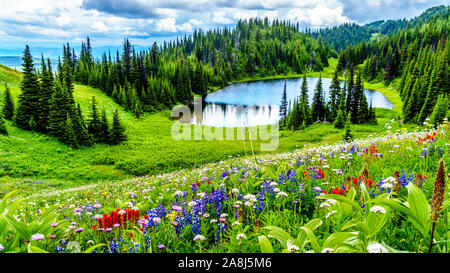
[372, 116]
[440, 109]
[335, 93]
[68, 137]
[58, 111]
[350, 87]
[348, 136]
[3, 130]
[283, 106]
[317, 108]
[339, 121]
[117, 130]
[435, 87]
[104, 128]
[94, 123]
[363, 111]
[8, 106]
[79, 127]
[304, 101]
[28, 102]
[46, 91]
[357, 97]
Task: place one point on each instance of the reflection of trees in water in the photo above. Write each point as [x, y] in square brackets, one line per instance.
[227, 115]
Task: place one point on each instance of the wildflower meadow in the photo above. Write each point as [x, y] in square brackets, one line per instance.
[385, 193]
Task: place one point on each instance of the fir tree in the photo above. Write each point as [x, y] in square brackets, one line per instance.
[104, 128]
[8, 106]
[304, 101]
[340, 119]
[348, 136]
[440, 109]
[29, 98]
[350, 87]
[335, 93]
[363, 111]
[117, 130]
[3, 130]
[317, 108]
[94, 123]
[58, 111]
[79, 127]
[46, 91]
[357, 97]
[372, 116]
[283, 106]
[68, 137]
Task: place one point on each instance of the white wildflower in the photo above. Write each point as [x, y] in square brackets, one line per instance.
[378, 209]
[291, 247]
[281, 194]
[375, 247]
[199, 237]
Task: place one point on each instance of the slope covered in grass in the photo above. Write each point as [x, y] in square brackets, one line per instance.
[150, 147]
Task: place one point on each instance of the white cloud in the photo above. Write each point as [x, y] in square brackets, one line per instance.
[106, 20]
[220, 17]
[99, 26]
[319, 16]
[167, 24]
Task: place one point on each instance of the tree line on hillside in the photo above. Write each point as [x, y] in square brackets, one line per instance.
[348, 102]
[342, 36]
[418, 57]
[46, 104]
[158, 78]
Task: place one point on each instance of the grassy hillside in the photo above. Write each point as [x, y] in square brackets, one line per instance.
[27, 158]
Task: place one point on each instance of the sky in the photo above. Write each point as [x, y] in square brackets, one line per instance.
[49, 23]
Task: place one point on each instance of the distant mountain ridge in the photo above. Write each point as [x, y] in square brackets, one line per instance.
[347, 34]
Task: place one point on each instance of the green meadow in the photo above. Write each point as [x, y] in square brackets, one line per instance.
[28, 159]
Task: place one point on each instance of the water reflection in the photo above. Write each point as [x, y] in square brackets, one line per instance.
[257, 103]
[227, 115]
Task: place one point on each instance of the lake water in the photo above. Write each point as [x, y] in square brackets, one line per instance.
[258, 103]
[15, 62]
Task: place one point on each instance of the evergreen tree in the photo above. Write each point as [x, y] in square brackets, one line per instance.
[440, 109]
[117, 130]
[348, 136]
[104, 128]
[46, 91]
[58, 111]
[335, 93]
[357, 97]
[8, 106]
[304, 101]
[283, 106]
[350, 87]
[340, 119]
[68, 137]
[79, 127]
[94, 123]
[372, 116]
[317, 108]
[3, 130]
[363, 111]
[29, 98]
